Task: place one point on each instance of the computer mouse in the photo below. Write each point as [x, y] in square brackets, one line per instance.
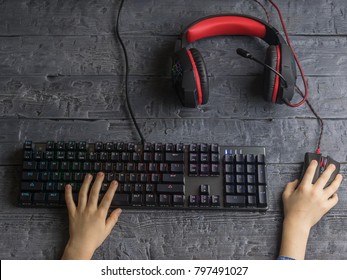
[323, 163]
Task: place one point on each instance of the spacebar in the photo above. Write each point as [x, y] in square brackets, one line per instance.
[121, 199]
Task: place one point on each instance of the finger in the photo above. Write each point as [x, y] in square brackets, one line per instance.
[324, 178]
[113, 219]
[290, 188]
[333, 187]
[309, 174]
[70, 204]
[107, 199]
[331, 202]
[83, 195]
[94, 193]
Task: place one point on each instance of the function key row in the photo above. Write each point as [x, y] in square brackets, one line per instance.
[122, 146]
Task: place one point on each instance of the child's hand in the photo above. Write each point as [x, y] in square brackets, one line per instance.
[88, 226]
[306, 203]
[304, 206]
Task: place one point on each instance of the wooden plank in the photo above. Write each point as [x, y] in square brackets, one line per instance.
[159, 16]
[279, 136]
[102, 97]
[60, 55]
[151, 55]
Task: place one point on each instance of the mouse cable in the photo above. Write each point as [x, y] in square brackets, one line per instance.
[320, 120]
[295, 57]
[127, 74]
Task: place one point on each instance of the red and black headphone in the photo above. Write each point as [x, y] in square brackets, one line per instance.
[189, 73]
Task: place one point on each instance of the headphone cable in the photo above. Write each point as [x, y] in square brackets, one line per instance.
[127, 74]
[295, 57]
[264, 9]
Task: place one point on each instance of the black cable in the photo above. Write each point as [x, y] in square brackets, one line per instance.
[264, 9]
[320, 120]
[126, 74]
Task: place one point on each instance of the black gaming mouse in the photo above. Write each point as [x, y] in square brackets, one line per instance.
[323, 163]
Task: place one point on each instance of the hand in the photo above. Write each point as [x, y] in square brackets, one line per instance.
[308, 202]
[88, 226]
[304, 206]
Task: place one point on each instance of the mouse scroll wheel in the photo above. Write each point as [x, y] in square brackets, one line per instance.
[325, 163]
[321, 162]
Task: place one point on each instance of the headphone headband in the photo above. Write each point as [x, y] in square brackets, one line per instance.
[229, 24]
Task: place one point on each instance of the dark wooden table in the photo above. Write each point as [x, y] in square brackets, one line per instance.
[61, 78]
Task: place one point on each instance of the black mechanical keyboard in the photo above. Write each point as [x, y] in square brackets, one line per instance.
[150, 176]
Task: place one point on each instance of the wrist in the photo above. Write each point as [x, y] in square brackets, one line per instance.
[294, 238]
[296, 225]
[73, 252]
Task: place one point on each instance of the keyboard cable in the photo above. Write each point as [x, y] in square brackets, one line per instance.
[126, 68]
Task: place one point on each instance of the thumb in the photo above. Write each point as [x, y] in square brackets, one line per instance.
[113, 219]
[290, 188]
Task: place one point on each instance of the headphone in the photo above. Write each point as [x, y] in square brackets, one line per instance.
[189, 73]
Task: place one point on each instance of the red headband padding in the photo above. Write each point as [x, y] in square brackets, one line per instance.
[225, 25]
[277, 79]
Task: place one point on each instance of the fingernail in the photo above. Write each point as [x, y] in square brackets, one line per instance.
[88, 176]
[100, 174]
[68, 186]
[115, 183]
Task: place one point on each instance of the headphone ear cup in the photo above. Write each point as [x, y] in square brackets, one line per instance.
[269, 76]
[202, 72]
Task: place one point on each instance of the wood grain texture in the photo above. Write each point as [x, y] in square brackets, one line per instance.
[151, 55]
[61, 78]
[97, 17]
[103, 97]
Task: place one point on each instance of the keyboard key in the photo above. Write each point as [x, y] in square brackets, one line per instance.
[27, 145]
[29, 165]
[178, 200]
[205, 189]
[215, 201]
[262, 197]
[234, 200]
[136, 199]
[193, 200]
[164, 200]
[121, 199]
[25, 198]
[176, 167]
[32, 186]
[251, 200]
[204, 200]
[174, 157]
[171, 188]
[173, 178]
[230, 189]
[150, 200]
[30, 176]
[261, 174]
[39, 197]
[53, 198]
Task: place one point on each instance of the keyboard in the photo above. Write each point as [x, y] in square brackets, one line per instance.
[150, 176]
